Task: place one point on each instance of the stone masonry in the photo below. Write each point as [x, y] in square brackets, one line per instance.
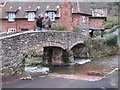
[14, 47]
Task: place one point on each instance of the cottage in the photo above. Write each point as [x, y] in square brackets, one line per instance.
[20, 16]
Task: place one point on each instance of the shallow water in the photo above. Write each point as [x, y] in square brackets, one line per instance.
[37, 69]
[97, 65]
[81, 69]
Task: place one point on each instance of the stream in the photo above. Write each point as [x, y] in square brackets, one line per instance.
[85, 69]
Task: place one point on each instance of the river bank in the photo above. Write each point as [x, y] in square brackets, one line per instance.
[103, 67]
[98, 47]
[110, 81]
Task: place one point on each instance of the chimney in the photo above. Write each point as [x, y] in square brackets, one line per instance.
[66, 15]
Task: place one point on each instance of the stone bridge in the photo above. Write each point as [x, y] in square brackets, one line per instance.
[55, 45]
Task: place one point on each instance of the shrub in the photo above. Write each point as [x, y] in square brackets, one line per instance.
[41, 55]
[114, 28]
[58, 27]
[108, 39]
[108, 25]
[96, 33]
[76, 29]
[111, 21]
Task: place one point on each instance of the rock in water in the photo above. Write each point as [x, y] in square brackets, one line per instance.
[95, 74]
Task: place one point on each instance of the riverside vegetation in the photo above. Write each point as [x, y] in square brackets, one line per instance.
[98, 47]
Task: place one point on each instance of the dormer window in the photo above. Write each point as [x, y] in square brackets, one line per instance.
[51, 15]
[11, 16]
[31, 16]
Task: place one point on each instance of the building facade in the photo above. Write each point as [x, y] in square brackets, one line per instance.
[20, 16]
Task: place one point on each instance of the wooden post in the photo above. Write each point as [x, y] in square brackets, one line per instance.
[102, 33]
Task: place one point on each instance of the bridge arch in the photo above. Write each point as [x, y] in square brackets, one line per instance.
[39, 47]
[52, 44]
[76, 43]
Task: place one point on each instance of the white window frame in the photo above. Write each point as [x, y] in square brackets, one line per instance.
[51, 15]
[84, 19]
[11, 16]
[31, 16]
[12, 30]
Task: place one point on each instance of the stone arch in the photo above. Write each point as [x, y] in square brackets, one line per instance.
[39, 47]
[80, 50]
[76, 43]
[53, 44]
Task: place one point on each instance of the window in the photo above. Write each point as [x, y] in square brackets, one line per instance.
[51, 15]
[24, 29]
[11, 17]
[31, 16]
[84, 19]
[11, 29]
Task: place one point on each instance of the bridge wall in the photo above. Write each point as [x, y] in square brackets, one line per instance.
[13, 47]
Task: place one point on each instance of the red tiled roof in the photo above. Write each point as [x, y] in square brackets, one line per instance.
[22, 7]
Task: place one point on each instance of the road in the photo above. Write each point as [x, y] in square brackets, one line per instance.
[111, 81]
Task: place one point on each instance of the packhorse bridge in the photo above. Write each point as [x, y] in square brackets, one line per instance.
[56, 47]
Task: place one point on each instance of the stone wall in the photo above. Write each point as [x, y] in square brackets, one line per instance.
[14, 47]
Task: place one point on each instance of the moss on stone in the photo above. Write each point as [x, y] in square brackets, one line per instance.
[32, 63]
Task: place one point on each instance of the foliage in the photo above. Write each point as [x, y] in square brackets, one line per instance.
[92, 2]
[116, 3]
[58, 27]
[96, 33]
[41, 55]
[108, 39]
[108, 25]
[114, 29]
[111, 21]
[76, 29]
